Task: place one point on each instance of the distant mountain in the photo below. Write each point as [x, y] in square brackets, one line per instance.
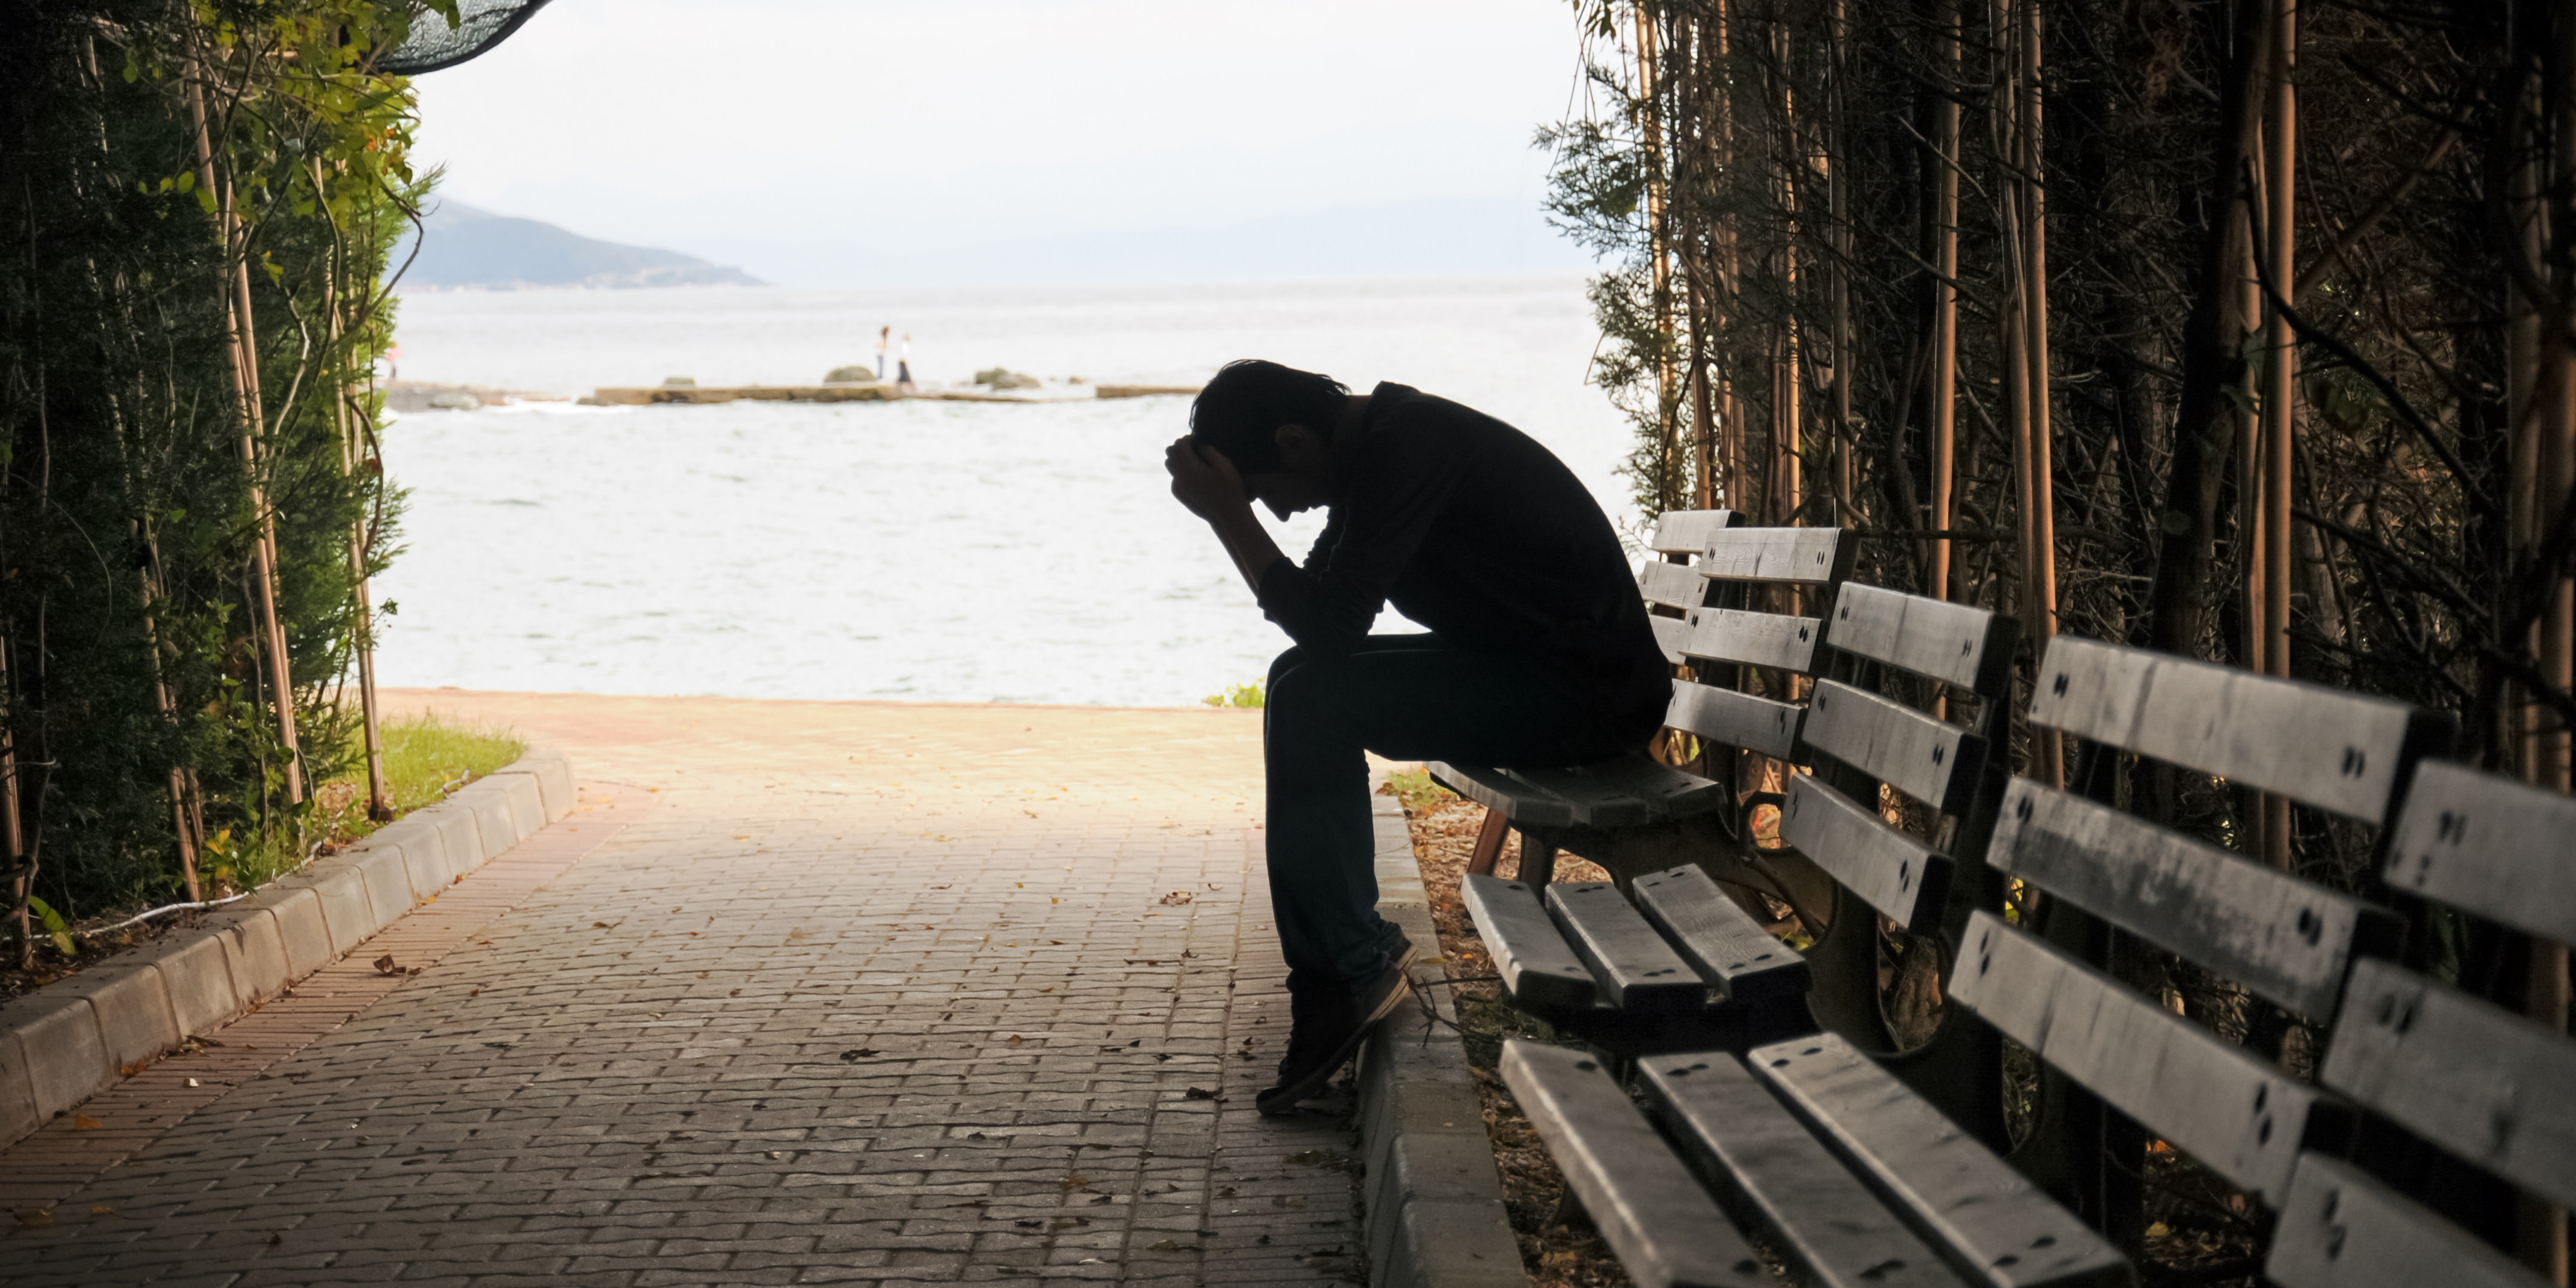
[465, 248]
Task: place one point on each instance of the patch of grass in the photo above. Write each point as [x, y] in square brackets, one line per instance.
[1241, 695]
[425, 758]
[1415, 788]
[424, 755]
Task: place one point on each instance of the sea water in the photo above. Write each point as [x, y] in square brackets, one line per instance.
[919, 550]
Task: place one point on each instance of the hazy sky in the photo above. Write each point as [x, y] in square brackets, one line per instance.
[844, 144]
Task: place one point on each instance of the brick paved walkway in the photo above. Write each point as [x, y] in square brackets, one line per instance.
[870, 993]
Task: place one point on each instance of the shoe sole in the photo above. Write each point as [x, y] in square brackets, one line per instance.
[1282, 1100]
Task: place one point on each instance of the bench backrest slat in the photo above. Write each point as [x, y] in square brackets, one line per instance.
[2480, 1081]
[2488, 845]
[2239, 1116]
[2324, 747]
[1953, 643]
[1891, 871]
[2342, 1228]
[1788, 556]
[1671, 584]
[1672, 635]
[2288, 940]
[1754, 639]
[1733, 719]
[1933, 761]
[1686, 532]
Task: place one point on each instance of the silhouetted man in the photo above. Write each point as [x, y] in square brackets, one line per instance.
[1539, 652]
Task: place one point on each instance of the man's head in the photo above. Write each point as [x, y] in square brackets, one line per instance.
[1276, 425]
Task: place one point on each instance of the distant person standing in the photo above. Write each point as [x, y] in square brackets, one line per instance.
[903, 365]
[882, 333]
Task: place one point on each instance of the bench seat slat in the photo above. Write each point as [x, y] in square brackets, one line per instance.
[1987, 1214]
[1952, 643]
[2485, 1084]
[1730, 949]
[2488, 845]
[2343, 1229]
[2286, 939]
[1500, 790]
[1636, 970]
[1630, 790]
[1770, 1172]
[1664, 1228]
[1529, 953]
[1891, 871]
[1677, 585]
[1686, 532]
[1736, 719]
[1933, 761]
[2239, 1116]
[2325, 747]
[1795, 556]
[1743, 638]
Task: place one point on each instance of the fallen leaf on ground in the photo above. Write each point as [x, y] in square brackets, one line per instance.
[35, 1218]
[1178, 897]
[83, 1122]
[1198, 1093]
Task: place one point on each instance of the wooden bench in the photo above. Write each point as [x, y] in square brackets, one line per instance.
[2430, 1104]
[1634, 813]
[1687, 961]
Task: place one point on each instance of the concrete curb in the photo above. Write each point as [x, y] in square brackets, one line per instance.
[63, 1044]
[1434, 1199]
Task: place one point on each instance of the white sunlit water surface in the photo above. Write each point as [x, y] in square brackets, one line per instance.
[916, 550]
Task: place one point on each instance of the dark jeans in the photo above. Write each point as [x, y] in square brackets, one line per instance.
[1405, 697]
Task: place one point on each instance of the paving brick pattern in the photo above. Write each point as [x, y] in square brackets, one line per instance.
[871, 994]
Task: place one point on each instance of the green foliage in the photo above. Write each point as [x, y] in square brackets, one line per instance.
[128, 605]
[1240, 695]
[54, 925]
[1599, 178]
[425, 759]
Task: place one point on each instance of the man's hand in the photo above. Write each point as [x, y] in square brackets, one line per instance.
[1203, 480]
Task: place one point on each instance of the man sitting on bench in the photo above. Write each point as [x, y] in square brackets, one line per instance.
[1540, 653]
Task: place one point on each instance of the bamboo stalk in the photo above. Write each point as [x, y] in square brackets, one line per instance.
[379, 807]
[2280, 191]
[2042, 584]
[241, 339]
[1730, 420]
[1838, 236]
[1945, 301]
[2542, 1223]
[1788, 475]
[181, 817]
[13, 840]
[1658, 248]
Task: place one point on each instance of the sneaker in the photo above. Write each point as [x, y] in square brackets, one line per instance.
[1325, 1040]
[1397, 945]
